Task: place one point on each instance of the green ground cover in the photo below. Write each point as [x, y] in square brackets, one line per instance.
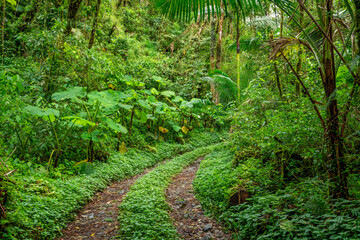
[144, 211]
[40, 206]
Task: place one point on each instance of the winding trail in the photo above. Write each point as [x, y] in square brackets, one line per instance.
[187, 214]
[98, 219]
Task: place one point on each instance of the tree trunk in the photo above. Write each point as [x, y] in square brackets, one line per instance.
[92, 35]
[298, 66]
[238, 60]
[277, 72]
[335, 158]
[219, 43]
[74, 6]
[357, 24]
[278, 80]
[212, 44]
[131, 122]
[219, 53]
[212, 56]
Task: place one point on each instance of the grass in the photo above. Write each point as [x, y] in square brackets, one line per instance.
[39, 206]
[144, 211]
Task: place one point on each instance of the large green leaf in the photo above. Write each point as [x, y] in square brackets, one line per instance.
[125, 106]
[12, 2]
[168, 93]
[177, 99]
[70, 93]
[47, 114]
[144, 104]
[117, 127]
[80, 121]
[40, 112]
[108, 98]
[84, 167]
[154, 91]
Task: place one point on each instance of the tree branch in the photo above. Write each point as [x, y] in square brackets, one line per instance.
[307, 93]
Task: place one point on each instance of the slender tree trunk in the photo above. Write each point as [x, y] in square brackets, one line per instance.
[131, 121]
[238, 60]
[298, 69]
[92, 35]
[3, 35]
[212, 55]
[278, 80]
[74, 6]
[277, 72]
[335, 158]
[219, 43]
[298, 66]
[212, 43]
[357, 23]
[113, 28]
[219, 52]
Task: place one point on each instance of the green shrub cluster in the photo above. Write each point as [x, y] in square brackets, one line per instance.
[40, 206]
[215, 178]
[300, 210]
[144, 211]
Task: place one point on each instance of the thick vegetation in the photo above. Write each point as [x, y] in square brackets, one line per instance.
[144, 213]
[95, 91]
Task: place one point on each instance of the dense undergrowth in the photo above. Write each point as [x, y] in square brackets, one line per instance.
[274, 208]
[76, 94]
[144, 211]
[40, 206]
[81, 80]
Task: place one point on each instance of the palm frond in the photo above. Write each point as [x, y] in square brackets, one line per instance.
[279, 45]
[224, 85]
[247, 44]
[186, 10]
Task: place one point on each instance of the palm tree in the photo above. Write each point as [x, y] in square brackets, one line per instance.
[328, 57]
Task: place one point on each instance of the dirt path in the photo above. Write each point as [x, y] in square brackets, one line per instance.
[98, 220]
[188, 216]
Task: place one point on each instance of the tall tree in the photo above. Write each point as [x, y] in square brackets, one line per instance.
[219, 42]
[73, 8]
[95, 21]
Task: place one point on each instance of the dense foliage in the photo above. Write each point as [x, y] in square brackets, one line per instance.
[93, 91]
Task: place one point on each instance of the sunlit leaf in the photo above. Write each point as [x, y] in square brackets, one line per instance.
[80, 121]
[168, 93]
[117, 127]
[184, 129]
[70, 93]
[163, 130]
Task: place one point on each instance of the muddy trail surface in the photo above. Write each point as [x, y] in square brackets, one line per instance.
[189, 218]
[98, 219]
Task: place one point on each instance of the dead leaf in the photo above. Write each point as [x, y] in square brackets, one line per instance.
[122, 148]
[184, 129]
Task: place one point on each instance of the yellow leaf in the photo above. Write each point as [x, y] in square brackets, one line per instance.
[81, 162]
[184, 129]
[163, 130]
[122, 148]
[185, 121]
[212, 130]
[111, 86]
[93, 234]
